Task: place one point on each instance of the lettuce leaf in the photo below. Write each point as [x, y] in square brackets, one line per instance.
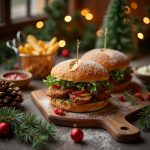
[119, 75]
[90, 86]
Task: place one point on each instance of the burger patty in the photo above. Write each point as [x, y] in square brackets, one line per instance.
[80, 98]
[102, 96]
[58, 93]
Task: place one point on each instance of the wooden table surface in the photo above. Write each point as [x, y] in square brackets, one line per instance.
[94, 139]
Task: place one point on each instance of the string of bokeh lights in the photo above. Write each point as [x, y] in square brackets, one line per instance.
[89, 16]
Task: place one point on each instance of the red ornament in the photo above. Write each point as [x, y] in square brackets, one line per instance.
[65, 53]
[4, 128]
[59, 111]
[77, 135]
[121, 98]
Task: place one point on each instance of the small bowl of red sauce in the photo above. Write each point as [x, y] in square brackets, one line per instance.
[19, 77]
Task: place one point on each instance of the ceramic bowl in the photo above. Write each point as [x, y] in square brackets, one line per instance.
[21, 82]
[143, 77]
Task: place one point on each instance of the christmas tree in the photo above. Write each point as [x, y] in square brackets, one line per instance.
[120, 31]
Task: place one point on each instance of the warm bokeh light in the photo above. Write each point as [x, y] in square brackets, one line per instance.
[39, 24]
[146, 20]
[62, 43]
[85, 11]
[140, 36]
[68, 18]
[89, 16]
[99, 33]
[134, 5]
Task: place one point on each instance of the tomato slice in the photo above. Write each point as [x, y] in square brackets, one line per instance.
[56, 86]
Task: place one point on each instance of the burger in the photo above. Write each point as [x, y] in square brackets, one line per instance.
[117, 65]
[78, 86]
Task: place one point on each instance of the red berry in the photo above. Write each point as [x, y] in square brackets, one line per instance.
[65, 53]
[122, 98]
[56, 110]
[4, 128]
[61, 112]
[142, 98]
[138, 94]
[148, 97]
[77, 135]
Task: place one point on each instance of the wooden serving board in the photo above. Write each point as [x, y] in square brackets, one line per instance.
[112, 118]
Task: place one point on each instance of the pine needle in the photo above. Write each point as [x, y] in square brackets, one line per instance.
[144, 118]
[27, 128]
[130, 98]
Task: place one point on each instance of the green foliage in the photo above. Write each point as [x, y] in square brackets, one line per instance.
[144, 118]
[70, 32]
[5, 52]
[27, 128]
[120, 31]
[119, 75]
[90, 86]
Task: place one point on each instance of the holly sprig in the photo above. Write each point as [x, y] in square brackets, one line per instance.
[27, 127]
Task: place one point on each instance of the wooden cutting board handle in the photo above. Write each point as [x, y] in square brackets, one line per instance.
[121, 129]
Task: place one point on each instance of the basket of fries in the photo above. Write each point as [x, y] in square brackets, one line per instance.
[37, 56]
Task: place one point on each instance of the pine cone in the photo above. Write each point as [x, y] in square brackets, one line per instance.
[10, 95]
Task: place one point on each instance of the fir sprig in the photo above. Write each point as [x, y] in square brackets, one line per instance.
[144, 118]
[27, 128]
[130, 98]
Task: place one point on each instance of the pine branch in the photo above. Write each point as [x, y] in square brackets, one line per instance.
[144, 118]
[130, 98]
[27, 128]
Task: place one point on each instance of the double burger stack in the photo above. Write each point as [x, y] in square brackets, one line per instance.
[84, 85]
[78, 86]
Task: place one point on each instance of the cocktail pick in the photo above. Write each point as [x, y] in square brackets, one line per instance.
[105, 38]
[78, 46]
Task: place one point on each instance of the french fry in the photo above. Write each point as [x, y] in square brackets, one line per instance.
[52, 41]
[36, 53]
[38, 47]
[43, 52]
[53, 49]
[20, 48]
[34, 43]
[28, 48]
[41, 43]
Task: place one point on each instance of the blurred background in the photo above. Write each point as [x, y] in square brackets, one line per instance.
[69, 20]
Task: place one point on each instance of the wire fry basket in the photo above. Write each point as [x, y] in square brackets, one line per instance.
[39, 66]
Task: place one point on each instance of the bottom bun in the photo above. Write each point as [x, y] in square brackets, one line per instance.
[120, 87]
[73, 107]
